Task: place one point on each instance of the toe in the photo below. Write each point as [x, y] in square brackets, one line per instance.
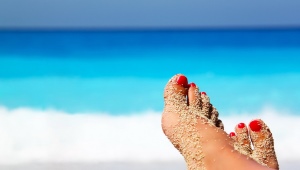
[176, 91]
[214, 115]
[215, 118]
[242, 139]
[220, 124]
[263, 143]
[175, 101]
[232, 135]
[206, 106]
[209, 111]
[194, 99]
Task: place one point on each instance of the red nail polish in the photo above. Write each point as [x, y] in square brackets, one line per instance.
[255, 125]
[203, 93]
[182, 80]
[192, 85]
[241, 125]
[231, 134]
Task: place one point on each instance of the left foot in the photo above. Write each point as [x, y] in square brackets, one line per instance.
[193, 132]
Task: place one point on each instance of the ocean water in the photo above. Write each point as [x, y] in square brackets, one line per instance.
[96, 96]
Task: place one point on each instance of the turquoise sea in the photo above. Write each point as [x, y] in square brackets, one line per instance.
[61, 91]
[121, 72]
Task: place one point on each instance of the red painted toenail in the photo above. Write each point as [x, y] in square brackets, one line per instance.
[231, 134]
[203, 93]
[241, 125]
[255, 125]
[182, 80]
[192, 85]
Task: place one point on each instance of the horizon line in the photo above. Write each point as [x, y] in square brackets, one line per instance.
[117, 29]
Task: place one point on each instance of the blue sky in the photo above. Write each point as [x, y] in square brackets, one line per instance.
[148, 14]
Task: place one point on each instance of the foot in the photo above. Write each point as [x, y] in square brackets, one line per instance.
[193, 132]
[262, 141]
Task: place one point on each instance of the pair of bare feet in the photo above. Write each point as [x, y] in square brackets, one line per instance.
[191, 123]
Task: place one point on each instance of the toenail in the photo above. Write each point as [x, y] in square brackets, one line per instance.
[203, 93]
[255, 125]
[231, 134]
[182, 80]
[192, 85]
[241, 125]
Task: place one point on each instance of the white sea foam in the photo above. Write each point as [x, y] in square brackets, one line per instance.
[29, 135]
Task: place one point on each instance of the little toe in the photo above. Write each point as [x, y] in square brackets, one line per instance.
[242, 139]
[263, 143]
[220, 124]
[232, 135]
[209, 111]
[214, 116]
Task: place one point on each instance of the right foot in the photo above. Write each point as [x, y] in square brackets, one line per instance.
[261, 139]
[186, 124]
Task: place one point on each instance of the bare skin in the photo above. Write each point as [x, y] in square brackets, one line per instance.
[261, 139]
[197, 133]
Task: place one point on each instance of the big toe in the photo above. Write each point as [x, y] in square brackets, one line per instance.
[176, 91]
[263, 143]
[175, 97]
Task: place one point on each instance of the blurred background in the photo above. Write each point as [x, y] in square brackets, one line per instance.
[81, 82]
